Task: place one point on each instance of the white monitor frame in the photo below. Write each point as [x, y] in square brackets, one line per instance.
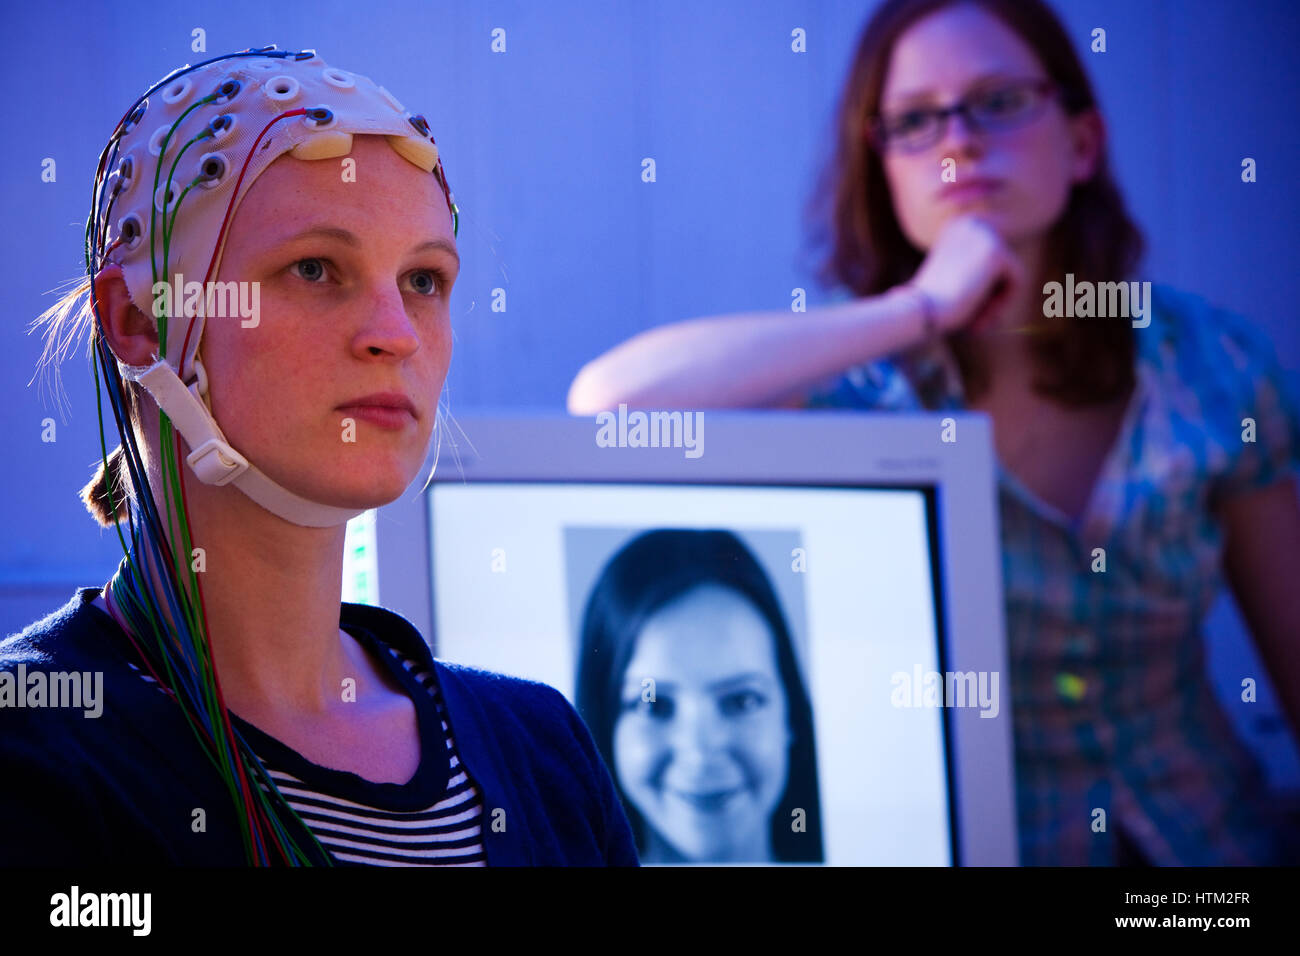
[779, 448]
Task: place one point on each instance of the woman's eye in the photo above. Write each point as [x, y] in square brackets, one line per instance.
[426, 282]
[1001, 101]
[743, 702]
[910, 121]
[435, 281]
[318, 262]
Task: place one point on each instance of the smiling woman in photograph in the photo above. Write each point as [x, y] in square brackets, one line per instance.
[249, 716]
[969, 170]
[688, 678]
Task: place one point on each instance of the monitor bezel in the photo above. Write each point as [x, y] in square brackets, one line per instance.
[948, 455]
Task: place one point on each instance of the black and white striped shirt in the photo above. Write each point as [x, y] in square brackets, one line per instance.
[434, 819]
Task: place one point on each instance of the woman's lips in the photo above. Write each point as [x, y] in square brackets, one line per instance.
[965, 192]
[385, 416]
[707, 802]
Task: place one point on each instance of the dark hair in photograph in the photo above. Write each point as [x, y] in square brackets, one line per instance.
[650, 571]
[852, 213]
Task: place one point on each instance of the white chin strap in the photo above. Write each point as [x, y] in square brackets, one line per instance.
[213, 460]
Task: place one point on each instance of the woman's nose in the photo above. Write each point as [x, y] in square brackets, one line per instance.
[699, 731]
[388, 326]
[960, 135]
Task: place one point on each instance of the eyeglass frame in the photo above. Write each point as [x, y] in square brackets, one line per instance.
[1044, 87]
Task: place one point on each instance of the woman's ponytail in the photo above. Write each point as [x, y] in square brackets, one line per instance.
[96, 495]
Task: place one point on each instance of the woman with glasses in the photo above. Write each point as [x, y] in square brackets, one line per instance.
[1146, 450]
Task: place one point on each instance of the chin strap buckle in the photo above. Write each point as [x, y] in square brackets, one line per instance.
[216, 463]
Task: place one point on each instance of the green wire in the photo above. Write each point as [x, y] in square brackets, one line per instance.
[225, 758]
[201, 647]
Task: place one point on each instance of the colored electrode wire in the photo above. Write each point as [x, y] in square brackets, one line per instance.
[169, 630]
[175, 645]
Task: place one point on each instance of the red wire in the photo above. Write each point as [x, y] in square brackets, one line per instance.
[254, 813]
[244, 788]
[234, 193]
[221, 702]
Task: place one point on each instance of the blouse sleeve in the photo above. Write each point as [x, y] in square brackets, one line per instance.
[875, 385]
[1262, 397]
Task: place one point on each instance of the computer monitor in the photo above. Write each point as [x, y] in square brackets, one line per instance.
[842, 677]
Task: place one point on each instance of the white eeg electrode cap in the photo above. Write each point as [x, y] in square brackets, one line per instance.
[253, 90]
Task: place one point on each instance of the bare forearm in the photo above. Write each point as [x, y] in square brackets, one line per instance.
[1278, 638]
[1262, 551]
[753, 359]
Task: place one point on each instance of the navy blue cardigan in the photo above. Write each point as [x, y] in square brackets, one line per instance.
[121, 788]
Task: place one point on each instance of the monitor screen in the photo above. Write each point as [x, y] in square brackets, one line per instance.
[752, 660]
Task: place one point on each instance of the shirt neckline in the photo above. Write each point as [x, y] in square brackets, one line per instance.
[934, 363]
[423, 790]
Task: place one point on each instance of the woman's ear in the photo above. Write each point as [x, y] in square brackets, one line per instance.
[128, 331]
[1087, 143]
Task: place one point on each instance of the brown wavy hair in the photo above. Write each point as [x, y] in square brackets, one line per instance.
[1076, 363]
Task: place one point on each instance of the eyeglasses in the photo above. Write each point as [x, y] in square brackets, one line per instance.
[997, 108]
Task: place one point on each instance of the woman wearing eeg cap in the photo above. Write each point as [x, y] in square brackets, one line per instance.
[320, 732]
